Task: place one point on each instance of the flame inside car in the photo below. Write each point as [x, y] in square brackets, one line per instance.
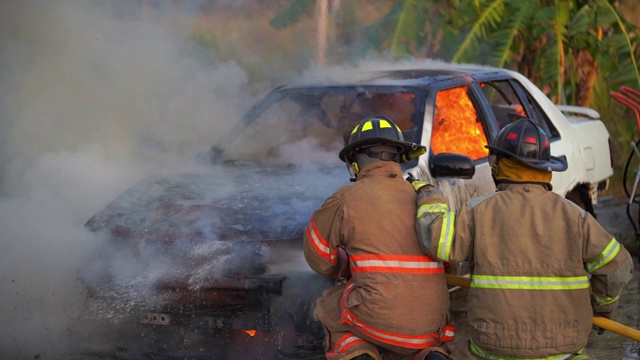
[456, 128]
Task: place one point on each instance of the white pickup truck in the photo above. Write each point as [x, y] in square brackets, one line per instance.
[220, 248]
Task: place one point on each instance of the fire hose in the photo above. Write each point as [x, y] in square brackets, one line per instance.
[601, 322]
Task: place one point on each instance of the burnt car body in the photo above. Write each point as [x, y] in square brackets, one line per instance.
[219, 251]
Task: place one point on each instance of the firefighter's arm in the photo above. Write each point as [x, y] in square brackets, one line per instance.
[434, 220]
[321, 240]
[609, 264]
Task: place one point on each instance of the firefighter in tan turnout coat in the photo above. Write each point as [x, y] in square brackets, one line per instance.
[541, 266]
[391, 300]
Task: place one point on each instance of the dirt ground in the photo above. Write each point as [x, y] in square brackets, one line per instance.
[611, 212]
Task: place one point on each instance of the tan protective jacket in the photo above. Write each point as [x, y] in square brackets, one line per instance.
[396, 294]
[540, 265]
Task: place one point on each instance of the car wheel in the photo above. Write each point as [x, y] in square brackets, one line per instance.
[580, 197]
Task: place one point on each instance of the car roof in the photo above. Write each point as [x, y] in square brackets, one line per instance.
[398, 75]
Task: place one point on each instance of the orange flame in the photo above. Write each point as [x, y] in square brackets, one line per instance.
[250, 332]
[456, 128]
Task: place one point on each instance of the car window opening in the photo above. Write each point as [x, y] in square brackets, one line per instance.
[456, 128]
[312, 127]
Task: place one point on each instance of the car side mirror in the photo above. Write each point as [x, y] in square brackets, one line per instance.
[452, 165]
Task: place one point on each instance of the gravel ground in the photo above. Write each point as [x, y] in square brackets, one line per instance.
[612, 214]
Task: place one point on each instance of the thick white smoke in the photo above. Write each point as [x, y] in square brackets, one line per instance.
[94, 96]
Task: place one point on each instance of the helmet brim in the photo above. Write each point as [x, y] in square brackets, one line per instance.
[557, 164]
[403, 146]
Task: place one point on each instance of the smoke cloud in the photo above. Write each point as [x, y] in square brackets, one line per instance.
[94, 96]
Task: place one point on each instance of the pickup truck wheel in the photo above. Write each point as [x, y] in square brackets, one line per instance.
[580, 196]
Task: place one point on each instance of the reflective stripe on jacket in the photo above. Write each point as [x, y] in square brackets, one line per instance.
[397, 294]
[541, 267]
[419, 341]
[343, 346]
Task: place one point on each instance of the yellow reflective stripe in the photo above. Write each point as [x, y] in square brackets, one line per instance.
[355, 129]
[432, 208]
[607, 255]
[486, 355]
[367, 126]
[530, 282]
[446, 232]
[604, 300]
[384, 123]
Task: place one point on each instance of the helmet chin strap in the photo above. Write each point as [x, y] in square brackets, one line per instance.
[354, 170]
[382, 155]
[364, 156]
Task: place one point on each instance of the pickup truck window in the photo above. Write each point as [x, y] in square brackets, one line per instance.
[456, 127]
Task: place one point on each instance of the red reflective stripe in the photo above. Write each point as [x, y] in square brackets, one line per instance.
[392, 257]
[344, 344]
[347, 290]
[408, 264]
[531, 140]
[398, 270]
[319, 244]
[408, 341]
[448, 333]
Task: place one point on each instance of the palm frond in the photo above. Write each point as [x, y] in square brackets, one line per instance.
[624, 75]
[410, 19]
[490, 17]
[582, 20]
[607, 13]
[504, 38]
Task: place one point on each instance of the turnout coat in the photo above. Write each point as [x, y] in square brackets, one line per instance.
[540, 266]
[395, 296]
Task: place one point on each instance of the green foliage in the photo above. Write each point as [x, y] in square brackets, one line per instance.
[619, 45]
[488, 17]
[556, 43]
[504, 38]
[411, 15]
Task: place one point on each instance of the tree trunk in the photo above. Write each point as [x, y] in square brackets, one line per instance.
[322, 17]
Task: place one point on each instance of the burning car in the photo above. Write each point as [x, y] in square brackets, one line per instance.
[217, 253]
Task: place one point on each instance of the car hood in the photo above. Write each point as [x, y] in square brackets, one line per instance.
[240, 201]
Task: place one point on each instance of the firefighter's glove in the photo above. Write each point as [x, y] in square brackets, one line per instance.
[607, 315]
[598, 330]
[419, 185]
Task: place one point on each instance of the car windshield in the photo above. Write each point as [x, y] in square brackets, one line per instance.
[303, 125]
